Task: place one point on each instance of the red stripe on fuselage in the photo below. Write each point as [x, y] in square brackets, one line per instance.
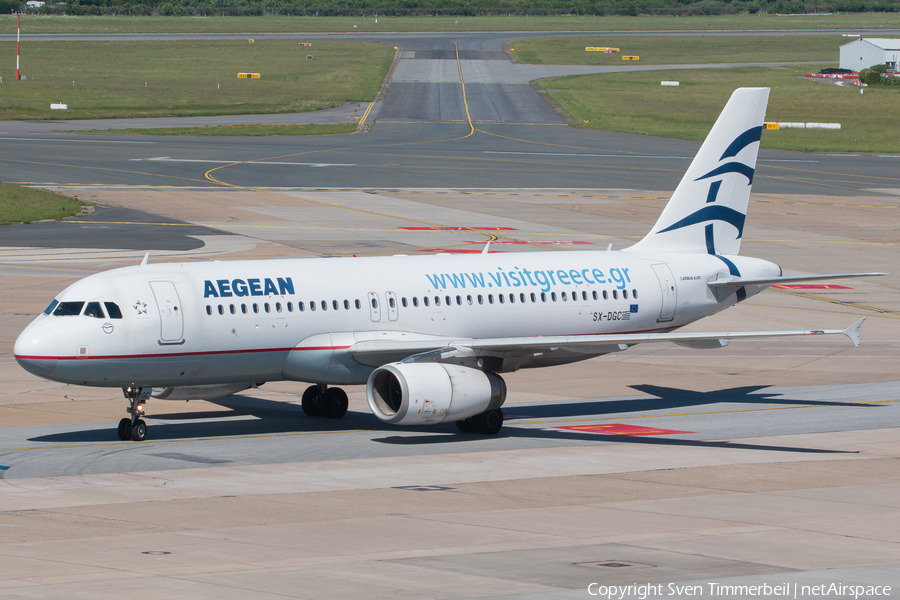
[255, 350]
[178, 354]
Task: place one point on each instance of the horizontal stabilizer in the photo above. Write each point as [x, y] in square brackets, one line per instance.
[738, 282]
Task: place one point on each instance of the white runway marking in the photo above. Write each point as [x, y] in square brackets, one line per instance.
[628, 156]
[235, 162]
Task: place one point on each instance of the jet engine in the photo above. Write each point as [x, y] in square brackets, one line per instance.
[430, 393]
[199, 392]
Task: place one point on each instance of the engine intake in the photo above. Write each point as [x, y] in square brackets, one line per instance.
[430, 393]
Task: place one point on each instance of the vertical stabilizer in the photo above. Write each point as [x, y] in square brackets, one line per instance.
[707, 211]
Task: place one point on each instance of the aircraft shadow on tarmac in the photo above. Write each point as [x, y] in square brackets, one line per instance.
[269, 417]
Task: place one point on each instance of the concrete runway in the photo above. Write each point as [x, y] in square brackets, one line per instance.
[780, 465]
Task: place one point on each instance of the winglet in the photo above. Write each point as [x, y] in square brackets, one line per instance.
[146, 258]
[852, 332]
[486, 246]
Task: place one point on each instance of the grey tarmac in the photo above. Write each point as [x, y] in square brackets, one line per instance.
[760, 463]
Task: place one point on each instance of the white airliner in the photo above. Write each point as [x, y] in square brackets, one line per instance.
[428, 335]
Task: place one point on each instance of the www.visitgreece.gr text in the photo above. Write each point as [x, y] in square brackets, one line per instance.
[543, 279]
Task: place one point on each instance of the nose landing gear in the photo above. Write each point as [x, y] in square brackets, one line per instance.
[134, 428]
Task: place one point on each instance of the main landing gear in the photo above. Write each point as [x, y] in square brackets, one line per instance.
[134, 428]
[321, 400]
[489, 422]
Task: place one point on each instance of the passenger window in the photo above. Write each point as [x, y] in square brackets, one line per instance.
[459, 301]
[584, 295]
[512, 298]
[415, 301]
[312, 305]
[335, 305]
[425, 300]
[543, 297]
[208, 309]
[68, 309]
[233, 309]
[605, 295]
[255, 308]
[480, 299]
[221, 310]
[346, 305]
[533, 297]
[469, 300]
[278, 307]
[93, 310]
[112, 309]
[634, 294]
[615, 294]
[403, 302]
[358, 304]
[447, 299]
[595, 294]
[290, 306]
[553, 296]
[501, 298]
[301, 307]
[563, 296]
[324, 305]
[437, 300]
[267, 307]
[244, 308]
[374, 302]
[392, 302]
[625, 294]
[490, 298]
[50, 308]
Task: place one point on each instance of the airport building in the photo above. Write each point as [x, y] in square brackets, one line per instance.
[865, 52]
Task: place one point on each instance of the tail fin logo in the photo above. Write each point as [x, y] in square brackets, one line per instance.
[718, 212]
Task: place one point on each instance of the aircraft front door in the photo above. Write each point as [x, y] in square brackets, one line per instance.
[171, 312]
[669, 291]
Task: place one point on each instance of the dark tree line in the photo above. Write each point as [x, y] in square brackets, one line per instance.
[448, 7]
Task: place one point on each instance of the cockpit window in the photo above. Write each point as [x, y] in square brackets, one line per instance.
[68, 309]
[93, 310]
[50, 308]
[112, 309]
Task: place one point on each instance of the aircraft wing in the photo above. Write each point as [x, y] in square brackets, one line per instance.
[379, 352]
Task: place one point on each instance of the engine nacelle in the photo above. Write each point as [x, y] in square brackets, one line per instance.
[429, 393]
[199, 392]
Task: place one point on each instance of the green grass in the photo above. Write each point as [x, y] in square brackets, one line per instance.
[636, 103]
[187, 78]
[238, 130]
[678, 49]
[148, 24]
[24, 205]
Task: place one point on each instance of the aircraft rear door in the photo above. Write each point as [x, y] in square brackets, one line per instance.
[669, 291]
[171, 317]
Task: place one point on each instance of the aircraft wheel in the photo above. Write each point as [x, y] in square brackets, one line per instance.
[124, 429]
[489, 422]
[139, 430]
[334, 403]
[467, 426]
[310, 402]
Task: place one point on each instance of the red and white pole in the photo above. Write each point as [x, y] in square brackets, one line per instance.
[18, 26]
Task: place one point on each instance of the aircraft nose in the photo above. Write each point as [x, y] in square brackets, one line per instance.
[37, 350]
